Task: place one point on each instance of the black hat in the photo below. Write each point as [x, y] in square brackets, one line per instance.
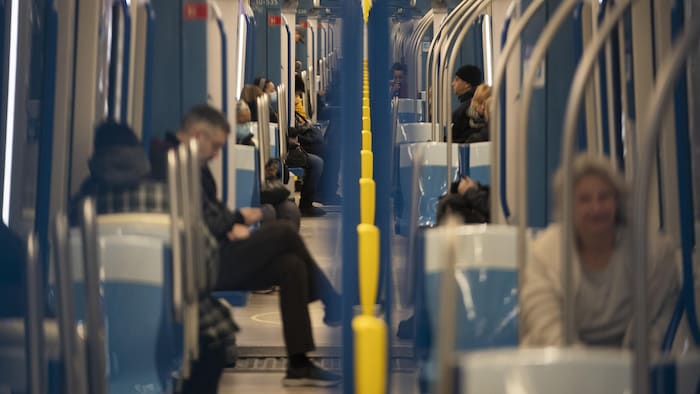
[470, 74]
[111, 134]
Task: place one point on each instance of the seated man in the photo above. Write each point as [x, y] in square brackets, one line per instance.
[118, 182]
[464, 84]
[274, 255]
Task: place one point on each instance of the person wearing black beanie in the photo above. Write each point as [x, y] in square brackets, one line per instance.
[466, 79]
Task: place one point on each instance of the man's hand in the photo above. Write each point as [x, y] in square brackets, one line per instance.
[251, 215]
[238, 232]
[465, 184]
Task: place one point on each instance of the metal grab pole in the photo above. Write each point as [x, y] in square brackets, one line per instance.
[34, 320]
[660, 96]
[498, 84]
[470, 15]
[73, 374]
[637, 257]
[548, 34]
[94, 316]
[432, 65]
[449, 50]
[282, 121]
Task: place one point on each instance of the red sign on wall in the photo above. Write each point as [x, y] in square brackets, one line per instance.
[195, 11]
[274, 20]
[304, 24]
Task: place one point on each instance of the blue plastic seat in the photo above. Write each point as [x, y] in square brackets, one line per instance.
[433, 182]
[142, 343]
[486, 314]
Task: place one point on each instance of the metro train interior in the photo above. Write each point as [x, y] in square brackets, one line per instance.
[356, 196]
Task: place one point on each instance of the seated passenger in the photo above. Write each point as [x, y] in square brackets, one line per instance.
[250, 94]
[244, 135]
[118, 181]
[273, 192]
[274, 255]
[398, 86]
[268, 87]
[309, 142]
[476, 113]
[601, 271]
[468, 199]
[466, 79]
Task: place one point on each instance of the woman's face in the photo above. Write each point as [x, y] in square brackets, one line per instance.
[269, 87]
[595, 206]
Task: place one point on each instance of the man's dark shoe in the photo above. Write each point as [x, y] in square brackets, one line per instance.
[311, 376]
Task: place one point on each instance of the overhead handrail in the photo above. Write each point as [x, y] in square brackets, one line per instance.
[34, 326]
[433, 65]
[471, 16]
[180, 311]
[449, 51]
[223, 36]
[416, 50]
[417, 172]
[176, 227]
[263, 134]
[439, 53]
[290, 65]
[94, 327]
[497, 117]
[282, 121]
[562, 13]
[73, 374]
[126, 58]
[664, 86]
[685, 193]
[637, 257]
[448, 320]
[43, 192]
[500, 136]
[147, 122]
[189, 277]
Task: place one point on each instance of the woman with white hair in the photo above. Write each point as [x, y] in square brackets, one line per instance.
[601, 272]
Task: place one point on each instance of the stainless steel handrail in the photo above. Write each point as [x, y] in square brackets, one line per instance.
[95, 329]
[34, 326]
[73, 373]
[432, 69]
[189, 277]
[669, 72]
[548, 34]
[282, 122]
[478, 6]
[448, 320]
[495, 119]
[178, 259]
[579, 83]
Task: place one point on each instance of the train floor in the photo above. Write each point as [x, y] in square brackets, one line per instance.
[262, 360]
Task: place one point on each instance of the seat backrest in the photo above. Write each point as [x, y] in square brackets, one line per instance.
[244, 179]
[487, 282]
[410, 110]
[414, 132]
[546, 371]
[433, 181]
[475, 161]
[274, 137]
[137, 286]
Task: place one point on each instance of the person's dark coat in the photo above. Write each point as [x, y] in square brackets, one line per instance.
[472, 207]
[461, 131]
